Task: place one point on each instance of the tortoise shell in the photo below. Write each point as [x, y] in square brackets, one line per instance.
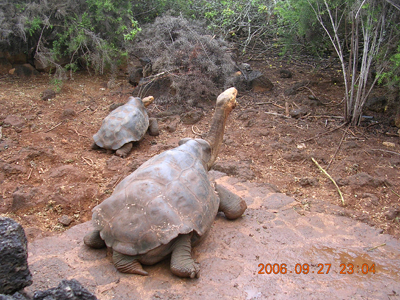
[127, 123]
[170, 194]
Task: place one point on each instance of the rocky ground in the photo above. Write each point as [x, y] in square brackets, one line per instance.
[276, 250]
[51, 179]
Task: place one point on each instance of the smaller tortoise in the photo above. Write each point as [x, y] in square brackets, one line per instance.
[125, 125]
[168, 204]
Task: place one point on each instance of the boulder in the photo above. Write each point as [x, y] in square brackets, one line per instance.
[259, 82]
[48, 94]
[25, 70]
[5, 66]
[66, 290]
[14, 270]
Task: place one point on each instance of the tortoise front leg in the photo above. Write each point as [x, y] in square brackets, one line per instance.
[182, 263]
[124, 150]
[230, 204]
[93, 240]
[127, 264]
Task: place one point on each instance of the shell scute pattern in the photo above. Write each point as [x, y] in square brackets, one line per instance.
[168, 195]
[127, 123]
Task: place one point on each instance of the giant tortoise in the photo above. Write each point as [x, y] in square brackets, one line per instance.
[125, 125]
[167, 204]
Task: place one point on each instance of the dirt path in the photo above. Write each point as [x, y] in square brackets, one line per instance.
[274, 230]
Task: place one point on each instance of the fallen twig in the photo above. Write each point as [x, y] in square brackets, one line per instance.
[54, 127]
[198, 131]
[376, 247]
[88, 161]
[306, 87]
[277, 105]
[392, 152]
[76, 131]
[337, 150]
[326, 132]
[30, 173]
[82, 110]
[395, 193]
[323, 116]
[329, 176]
[276, 114]
[262, 103]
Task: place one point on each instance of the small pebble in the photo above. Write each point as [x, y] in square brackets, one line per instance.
[65, 220]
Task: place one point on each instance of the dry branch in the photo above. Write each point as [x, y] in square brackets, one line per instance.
[337, 150]
[276, 114]
[392, 152]
[198, 131]
[323, 133]
[329, 176]
[54, 127]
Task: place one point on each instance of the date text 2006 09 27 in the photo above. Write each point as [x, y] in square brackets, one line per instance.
[315, 269]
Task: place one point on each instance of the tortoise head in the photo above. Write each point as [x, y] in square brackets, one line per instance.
[227, 100]
[147, 100]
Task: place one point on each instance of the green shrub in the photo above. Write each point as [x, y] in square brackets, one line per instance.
[90, 33]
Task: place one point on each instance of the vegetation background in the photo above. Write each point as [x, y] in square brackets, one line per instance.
[68, 35]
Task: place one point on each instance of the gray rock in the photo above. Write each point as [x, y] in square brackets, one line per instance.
[14, 270]
[25, 70]
[66, 290]
[11, 169]
[68, 113]
[15, 121]
[259, 82]
[22, 197]
[16, 296]
[48, 94]
[376, 104]
[65, 220]
[308, 181]
[393, 212]
[285, 74]
[135, 76]
[362, 179]
[298, 112]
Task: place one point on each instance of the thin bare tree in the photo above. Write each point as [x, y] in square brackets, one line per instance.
[370, 22]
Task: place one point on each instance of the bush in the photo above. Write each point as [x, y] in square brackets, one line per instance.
[89, 33]
[200, 64]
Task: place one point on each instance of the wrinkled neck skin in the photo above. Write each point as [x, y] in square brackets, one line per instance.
[216, 134]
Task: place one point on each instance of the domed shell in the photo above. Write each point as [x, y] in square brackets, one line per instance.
[127, 123]
[168, 195]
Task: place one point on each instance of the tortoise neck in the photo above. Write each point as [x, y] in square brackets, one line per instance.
[216, 133]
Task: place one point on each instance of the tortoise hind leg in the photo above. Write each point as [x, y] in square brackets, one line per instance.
[93, 240]
[182, 263]
[230, 204]
[127, 264]
[124, 150]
